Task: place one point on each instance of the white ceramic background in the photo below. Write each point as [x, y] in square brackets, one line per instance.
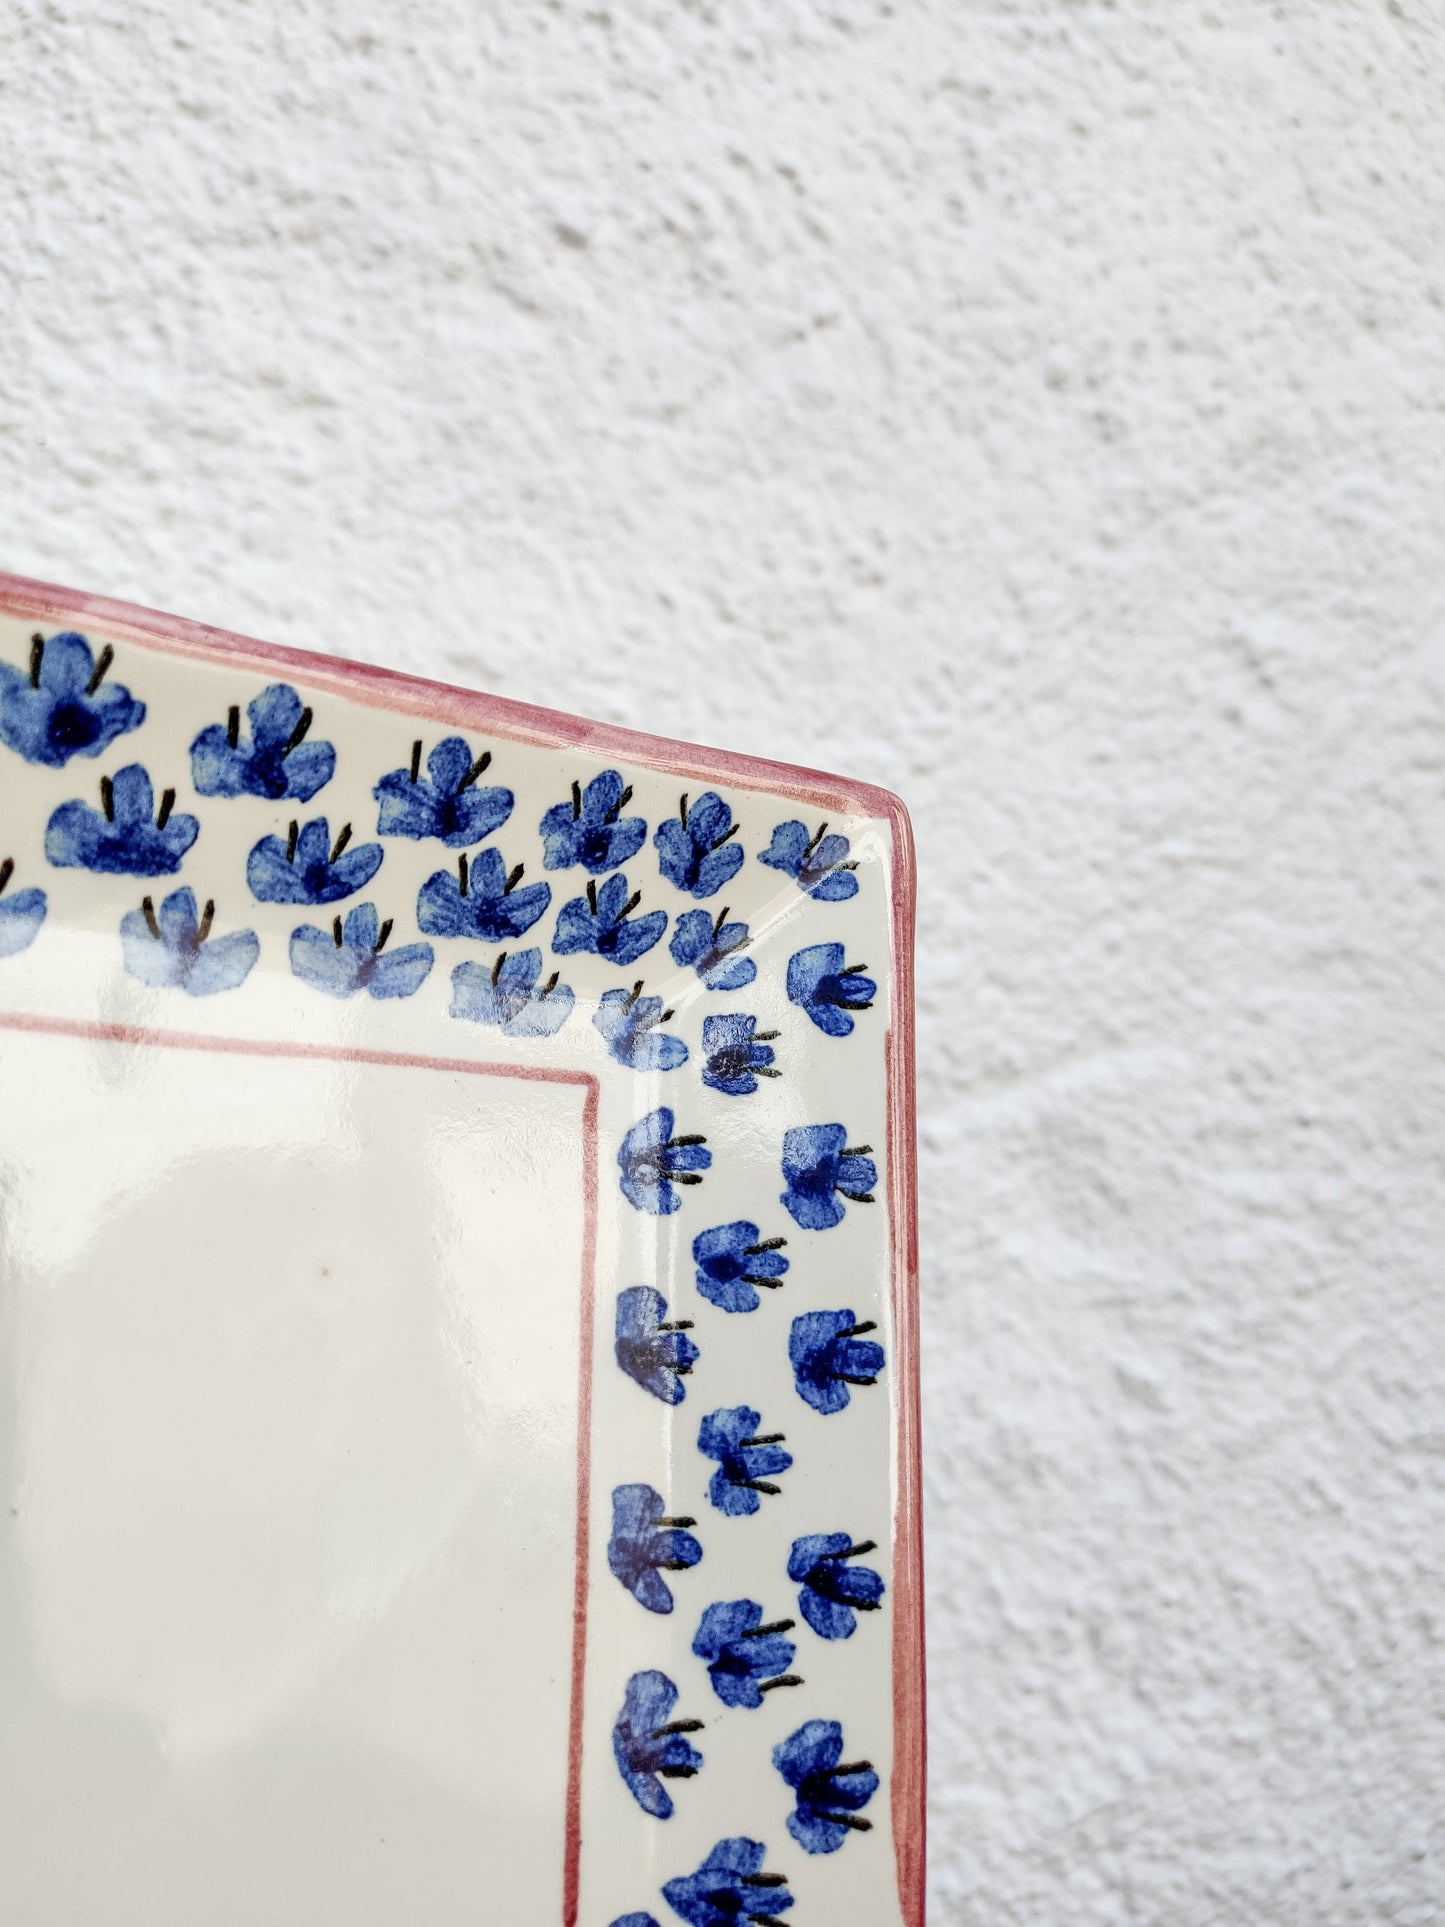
[1028, 405]
[289, 1432]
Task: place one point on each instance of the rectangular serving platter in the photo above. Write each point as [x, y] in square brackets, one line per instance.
[458, 1361]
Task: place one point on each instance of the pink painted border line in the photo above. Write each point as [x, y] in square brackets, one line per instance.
[548, 728]
[572, 1865]
[470, 1067]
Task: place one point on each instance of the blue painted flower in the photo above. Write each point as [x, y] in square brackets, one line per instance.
[649, 1747]
[652, 1161]
[745, 1658]
[122, 838]
[644, 1545]
[482, 900]
[709, 945]
[829, 1355]
[20, 916]
[695, 850]
[833, 1591]
[817, 1165]
[446, 802]
[826, 989]
[659, 1356]
[176, 951]
[747, 1459]
[308, 868]
[829, 1793]
[736, 1054]
[591, 829]
[732, 1260]
[635, 1920]
[602, 922]
[820, 863]
[277, 761]
[628, 1020]
[508, 995]
[348, 957]
[63, 706]
[730, 1887]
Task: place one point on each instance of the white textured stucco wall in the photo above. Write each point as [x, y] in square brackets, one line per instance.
[1036, 407]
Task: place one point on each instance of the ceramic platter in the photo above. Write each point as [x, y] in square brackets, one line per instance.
[457, 1359]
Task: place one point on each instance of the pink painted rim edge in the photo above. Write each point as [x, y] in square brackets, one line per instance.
[529, 723]
[909, 1788]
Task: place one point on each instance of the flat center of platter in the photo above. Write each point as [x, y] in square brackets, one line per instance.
[290, 1350]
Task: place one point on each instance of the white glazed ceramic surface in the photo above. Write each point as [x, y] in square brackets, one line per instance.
[361, 1319]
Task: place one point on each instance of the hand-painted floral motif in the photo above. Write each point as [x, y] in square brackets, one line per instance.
[21, 913]
[352, 956]
[818, 1166]
[307, 867]
[174, 949]
[510, 997]
[644, 1545]
[62, 706]
[695, 849]
[820, 983]
[707, 930]
[482, 900]
[819, 863]
[658, 1355]
[591, 830]
[730, 1887]
[733, 1260]
[833, 1591]
[830, 1355]
[745, 1658]
[710, 946]
[628, 1022]
[748, 1460]
[829, 1793]
[652, 1161]
[649, 1747]
[447, 802]
[602, 922]
[277, 761]
[127, 836]
[736, 1054]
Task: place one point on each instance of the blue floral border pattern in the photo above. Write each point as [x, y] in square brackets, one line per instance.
[528, 926]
